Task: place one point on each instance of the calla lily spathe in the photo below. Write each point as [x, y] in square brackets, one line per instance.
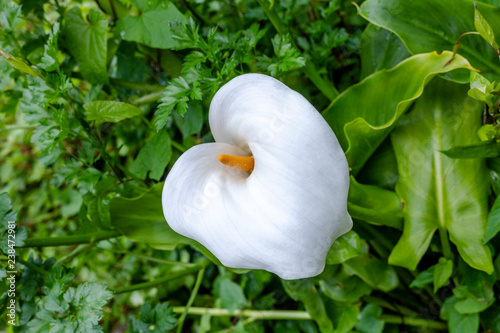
[285, 214]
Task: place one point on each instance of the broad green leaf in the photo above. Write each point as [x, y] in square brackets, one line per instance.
[424, 278]
[153, 157]
[192, 122]
[151, 27]
[493, 226]
[439, 192]
[229, 293]
[375, 205]
[457, 322]
[442, 272]
[111, 111]
[341, 288]
[304, 291]
[374, 272]
[369, 321]
[18, 63]
[484, 28]
[382, 168]
[87, 42]
[344, 248]
[475, 290]
[435, 25]
[481, 88]
[141, 219]
[483, 149]
[364, 114]
[380, 49]
[344, 316]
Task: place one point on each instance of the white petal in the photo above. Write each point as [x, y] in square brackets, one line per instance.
[285, 215]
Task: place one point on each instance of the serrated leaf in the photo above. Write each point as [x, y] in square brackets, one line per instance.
[87, 42]
[19, 64]
[153, 157]
[151, 27]
[110, 111]
[440, 192]
[50, 61]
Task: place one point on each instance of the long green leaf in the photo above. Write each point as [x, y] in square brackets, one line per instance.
[440, 192]
[363, 115]
[435, 25]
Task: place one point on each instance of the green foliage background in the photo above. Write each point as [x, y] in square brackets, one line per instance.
[99, 98]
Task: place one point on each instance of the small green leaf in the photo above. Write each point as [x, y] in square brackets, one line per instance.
[368, 320]
[191, 122]
[483, 149]
[50, 61]
[375, 205]
[304, 291]
[484, 28]
[87, 42]
[151, 27]
[493, 226]
[18, 63]
[154, 157]
[344, 248]
[229, 293]
[457, 322]
[373, 271]
[424, 278]
[442, 273]
[110, 111]
[343, 288]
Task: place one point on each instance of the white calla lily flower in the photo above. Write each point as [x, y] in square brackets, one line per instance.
[271, 192]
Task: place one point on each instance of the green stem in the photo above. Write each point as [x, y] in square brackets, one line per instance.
[162, 261]
[169, 277]
[178, 146]
[302, 315]
[71, 240]
[391, 306]
[78, 250]
[190, 302]
[32, 266]
[325, 86]
[445, 243]
[16, 127]
[149, 98]
[136, 85]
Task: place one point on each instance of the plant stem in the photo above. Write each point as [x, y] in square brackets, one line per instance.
[192, 297]
[302, 315]
[71, 240]
[325, 86]
[136, 86]
[178, 146]
[445, 243]
[32, 266]
[149, 98]
[169, 277]
[162, 261]
[16, 127]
